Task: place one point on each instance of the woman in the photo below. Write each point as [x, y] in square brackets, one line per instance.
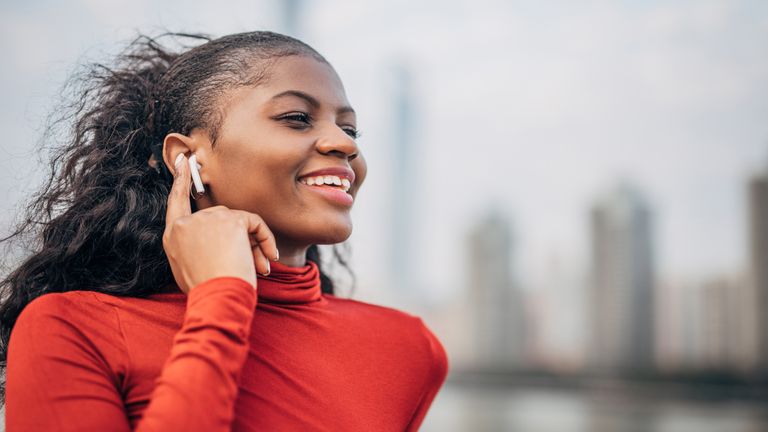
[142, 309]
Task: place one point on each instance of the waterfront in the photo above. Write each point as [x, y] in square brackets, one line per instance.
[478, 408]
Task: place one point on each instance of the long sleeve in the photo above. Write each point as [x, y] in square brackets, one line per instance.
[67, 363]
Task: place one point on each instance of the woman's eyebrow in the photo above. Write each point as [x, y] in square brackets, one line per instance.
[311, 100]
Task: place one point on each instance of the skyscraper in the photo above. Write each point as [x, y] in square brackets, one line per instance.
[290, 16]
[404, 182]
[758, 206]
[623, 283]
[498, 312]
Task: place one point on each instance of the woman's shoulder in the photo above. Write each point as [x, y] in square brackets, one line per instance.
[93, 312]
[65, 305]
[398, 321]
[80, 313]
[73, 323]
[367, 309]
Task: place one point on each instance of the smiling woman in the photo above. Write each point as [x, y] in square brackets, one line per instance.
[295, 122]
[143, 309]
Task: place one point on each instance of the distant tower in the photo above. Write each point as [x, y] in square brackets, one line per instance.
[498, 312]
[404, 179]
[290, 17]
[758, 211]
[623, 283]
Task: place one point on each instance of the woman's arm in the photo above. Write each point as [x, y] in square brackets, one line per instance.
[198, 386]
[58, 378]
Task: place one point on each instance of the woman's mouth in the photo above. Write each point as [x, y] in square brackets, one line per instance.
[327, 180]
[332, 187]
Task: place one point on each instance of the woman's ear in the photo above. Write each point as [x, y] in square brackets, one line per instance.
[175, 144]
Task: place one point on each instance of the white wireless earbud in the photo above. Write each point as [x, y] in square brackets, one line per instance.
[193, 168]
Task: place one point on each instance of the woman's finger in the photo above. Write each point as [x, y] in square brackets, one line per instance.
[178, 197]
[259, 231]
[261, 262]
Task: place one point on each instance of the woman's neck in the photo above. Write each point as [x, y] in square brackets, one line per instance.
[291, 255]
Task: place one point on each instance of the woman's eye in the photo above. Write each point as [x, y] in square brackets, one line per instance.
[298, 117]
[354, 133]
[302, 120]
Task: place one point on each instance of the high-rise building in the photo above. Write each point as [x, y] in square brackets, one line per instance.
[290, 12]
[622, 299]
[498, 311]
[404, 182]
[728, 324]
[758, 213]
[706, 324]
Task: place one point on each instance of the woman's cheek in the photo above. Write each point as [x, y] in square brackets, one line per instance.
[360, 167]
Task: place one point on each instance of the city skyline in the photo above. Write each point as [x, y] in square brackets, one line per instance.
[533, 110]
[635, 321]
[539, 141]
[575, 99]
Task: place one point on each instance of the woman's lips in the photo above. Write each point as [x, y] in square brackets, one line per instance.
[332, 193]
[342, 172]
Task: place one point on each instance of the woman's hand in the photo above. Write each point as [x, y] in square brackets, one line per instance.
[213, 242]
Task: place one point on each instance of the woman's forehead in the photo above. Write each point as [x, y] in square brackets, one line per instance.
[300, 76]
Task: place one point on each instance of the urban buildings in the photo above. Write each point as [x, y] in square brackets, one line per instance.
[622, 296]
[758, 234]
[499, 314]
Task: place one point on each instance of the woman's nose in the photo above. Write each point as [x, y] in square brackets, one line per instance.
[337, 141]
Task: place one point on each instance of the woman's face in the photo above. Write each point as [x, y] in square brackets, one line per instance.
[296, 123]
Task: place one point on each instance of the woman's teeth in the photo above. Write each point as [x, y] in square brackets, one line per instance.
[327, 180]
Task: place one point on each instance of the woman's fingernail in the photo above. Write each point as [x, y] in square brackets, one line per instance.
[177, 163]
[277, 254]
[268, 269]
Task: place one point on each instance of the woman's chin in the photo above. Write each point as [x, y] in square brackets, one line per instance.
[317, 228]
[335, 238]
[332, 233]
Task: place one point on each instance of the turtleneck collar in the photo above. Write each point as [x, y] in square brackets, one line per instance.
[289, 285]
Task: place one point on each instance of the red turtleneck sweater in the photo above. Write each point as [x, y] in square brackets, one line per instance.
[220, 359]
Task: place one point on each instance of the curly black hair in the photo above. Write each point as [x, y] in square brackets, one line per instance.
[96, 224]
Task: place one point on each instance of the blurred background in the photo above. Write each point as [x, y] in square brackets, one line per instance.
[572, 194]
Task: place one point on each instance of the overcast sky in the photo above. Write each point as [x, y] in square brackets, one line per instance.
[535, 109]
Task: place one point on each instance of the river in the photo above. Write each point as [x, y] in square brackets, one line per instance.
[459, 407]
